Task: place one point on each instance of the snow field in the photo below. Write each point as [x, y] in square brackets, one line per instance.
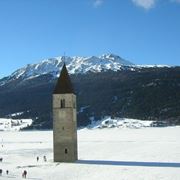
[117, 154]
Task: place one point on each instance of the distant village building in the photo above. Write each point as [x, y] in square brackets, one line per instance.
[64, 120]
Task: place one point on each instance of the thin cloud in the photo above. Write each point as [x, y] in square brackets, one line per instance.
[177, 1]
[98, 3]
[146, 4]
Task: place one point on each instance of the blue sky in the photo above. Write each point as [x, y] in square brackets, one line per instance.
[141, 31]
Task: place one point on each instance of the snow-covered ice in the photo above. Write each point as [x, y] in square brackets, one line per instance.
[114, 153]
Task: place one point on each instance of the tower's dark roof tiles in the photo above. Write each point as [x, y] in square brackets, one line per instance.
[63, 85]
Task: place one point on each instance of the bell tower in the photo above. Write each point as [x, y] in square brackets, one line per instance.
[64, 119]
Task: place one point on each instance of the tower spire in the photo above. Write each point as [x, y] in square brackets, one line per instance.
[64, 85]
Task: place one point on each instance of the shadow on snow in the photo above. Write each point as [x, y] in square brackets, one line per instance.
[129, 163]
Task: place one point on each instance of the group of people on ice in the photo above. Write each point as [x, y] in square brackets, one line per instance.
[1, 171]
[24, 173]
[44, 158]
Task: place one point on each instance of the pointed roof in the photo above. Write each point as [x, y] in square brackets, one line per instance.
[63, 85]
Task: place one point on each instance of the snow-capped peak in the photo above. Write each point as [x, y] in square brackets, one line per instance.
[74, 65]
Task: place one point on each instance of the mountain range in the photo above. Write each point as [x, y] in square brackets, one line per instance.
[106, 85]
[74, 65]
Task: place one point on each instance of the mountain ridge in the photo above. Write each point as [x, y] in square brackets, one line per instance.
[75, 65]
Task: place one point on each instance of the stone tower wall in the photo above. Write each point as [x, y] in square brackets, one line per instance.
[64, 128]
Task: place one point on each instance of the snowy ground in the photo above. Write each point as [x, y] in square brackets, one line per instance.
[14, 124]
[108, 122]
[108, 154]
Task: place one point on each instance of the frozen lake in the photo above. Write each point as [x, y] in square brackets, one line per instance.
[122, 154]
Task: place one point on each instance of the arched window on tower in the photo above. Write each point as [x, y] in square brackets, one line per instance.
[62, 105]
[66, 151]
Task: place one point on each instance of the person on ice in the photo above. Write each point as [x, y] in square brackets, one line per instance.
[24, 174]
[45, 159]
[1, 172]
[7, 172]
